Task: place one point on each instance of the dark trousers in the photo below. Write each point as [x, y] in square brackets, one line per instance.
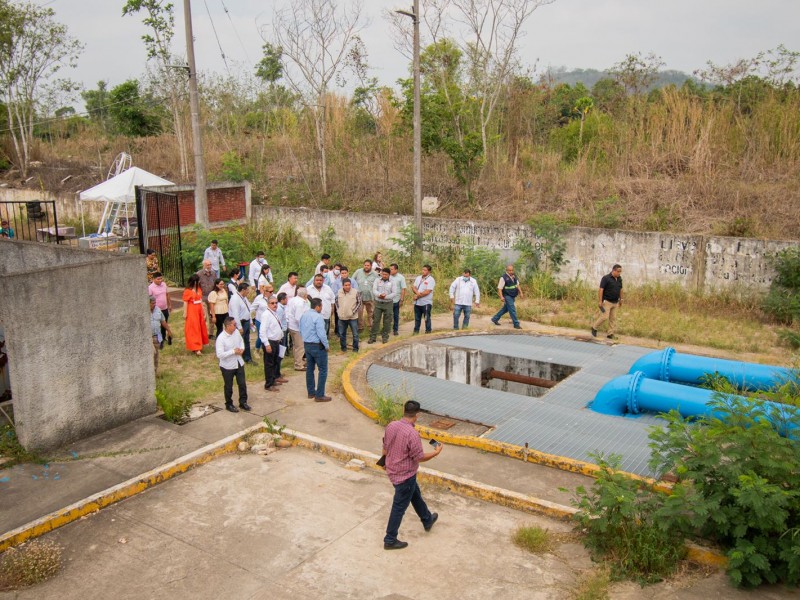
[419, 312]
[396, 318]
[228, 376]
[510, 307]
[246, 357]
[316, 356]
[165, 312]
[271, 364]
[405, 493]
[344, 324]
[220, 319]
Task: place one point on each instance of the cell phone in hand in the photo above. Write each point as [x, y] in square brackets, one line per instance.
[602, 308]
[435, 444]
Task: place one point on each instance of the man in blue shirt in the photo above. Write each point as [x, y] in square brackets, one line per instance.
[315, 342]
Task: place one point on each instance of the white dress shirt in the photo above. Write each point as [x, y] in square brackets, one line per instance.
[225, 345]
[288, 289]
[259, 306]
[326, 295]
[461, 291]
[270, 328]
[239, 309]
[294, 310]
[255, 270]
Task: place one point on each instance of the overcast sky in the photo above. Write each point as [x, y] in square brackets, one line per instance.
[571, 33]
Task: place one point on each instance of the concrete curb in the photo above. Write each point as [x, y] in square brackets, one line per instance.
[123, 490]
[526, 454]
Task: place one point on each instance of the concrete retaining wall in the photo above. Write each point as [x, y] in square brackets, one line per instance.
[79, 342]
[695, 262]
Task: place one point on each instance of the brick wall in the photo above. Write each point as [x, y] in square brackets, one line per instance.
[228, 203]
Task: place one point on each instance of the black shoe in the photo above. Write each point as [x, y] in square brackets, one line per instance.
[395, 333]
[610, 336]
[211, 337]
[371, 341]
[169, 340]
[495, 322]
[246, 407]
[517, 326]
[434, 518]
[310, 396]
[594, 332]
[231, 408]
[395, 545]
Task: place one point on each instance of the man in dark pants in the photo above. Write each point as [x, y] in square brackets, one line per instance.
[423, 298]
[230, 348]
[508, 288]
[239, 308]
[609, 298]
[271, 335]
[315, 343]
[403, 449]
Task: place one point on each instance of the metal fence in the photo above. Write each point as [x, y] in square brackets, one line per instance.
[160, 230]
[34, 220]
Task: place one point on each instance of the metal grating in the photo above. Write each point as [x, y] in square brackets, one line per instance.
[557, 423]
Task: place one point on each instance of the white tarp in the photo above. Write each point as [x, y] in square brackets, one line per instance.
[122, 188]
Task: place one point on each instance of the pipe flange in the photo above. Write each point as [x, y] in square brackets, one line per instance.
[666, 361]
[633, 392]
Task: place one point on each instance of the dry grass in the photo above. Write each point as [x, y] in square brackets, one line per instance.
[32, 563]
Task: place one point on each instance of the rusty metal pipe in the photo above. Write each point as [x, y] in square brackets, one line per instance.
[526, 379]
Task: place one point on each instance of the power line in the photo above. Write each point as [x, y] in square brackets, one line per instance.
[214, 29]
[227, 12]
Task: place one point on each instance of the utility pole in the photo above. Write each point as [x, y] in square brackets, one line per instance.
[200, 197]
[414, 14]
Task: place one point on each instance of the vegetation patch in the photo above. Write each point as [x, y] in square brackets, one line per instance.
[533, 539]
[32, 563]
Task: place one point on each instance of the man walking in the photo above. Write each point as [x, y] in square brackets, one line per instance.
[423, 298]
[348, 303]
[254, 271]
[295, 308]
[400, 287]
[158, 324]
[239, 308]
[384, 293]
[403, 449]
[158, 289]
[207, 285]
[364, 278]
[230, 350]
[214, 254]
[462, 291]
[271, 334]
[315, 342]
[508, 288]
[609, 298]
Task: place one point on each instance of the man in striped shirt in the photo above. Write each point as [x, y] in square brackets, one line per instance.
[403, 449]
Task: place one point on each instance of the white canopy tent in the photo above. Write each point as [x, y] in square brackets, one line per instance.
[119, 193]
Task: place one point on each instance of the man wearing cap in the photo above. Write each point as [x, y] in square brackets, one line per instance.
[6, 231]
[403, 449]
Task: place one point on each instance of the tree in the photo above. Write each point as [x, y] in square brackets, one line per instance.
[96, 102]
[33, 48]
[130, 113]
[316, 37]
[161, 21]
[636, 73]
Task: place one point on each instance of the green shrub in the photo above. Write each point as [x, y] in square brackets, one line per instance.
[11, 448]
[783, 300]
[388, 406]
[175, 404]
[234, 168]
[546, 254]
[30, 564]
[409, 242]
[744, 480]
[485, 265]
[628, 525]
[790, 337]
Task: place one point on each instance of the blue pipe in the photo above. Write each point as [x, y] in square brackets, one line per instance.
[632, 394]
[668, 365]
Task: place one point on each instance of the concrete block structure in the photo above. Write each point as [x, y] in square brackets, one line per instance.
[78, 337]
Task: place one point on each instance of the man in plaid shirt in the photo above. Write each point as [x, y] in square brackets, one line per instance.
[403, 449]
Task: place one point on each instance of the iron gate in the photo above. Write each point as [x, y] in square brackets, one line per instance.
[160, 230]
[34, 220]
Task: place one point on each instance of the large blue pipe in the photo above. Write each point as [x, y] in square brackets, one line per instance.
[633, 394]
[668, 365]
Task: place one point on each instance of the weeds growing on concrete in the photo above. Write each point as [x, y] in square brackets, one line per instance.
[533, 539]
[593, 585]
[388, 406]
[11, 448]
[173, 402]
[30, 564]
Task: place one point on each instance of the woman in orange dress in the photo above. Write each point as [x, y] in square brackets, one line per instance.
[195, 330]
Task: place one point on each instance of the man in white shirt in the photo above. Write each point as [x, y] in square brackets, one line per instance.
[462, 291]
[324, 261]
[423, 298]
[400, 286]
[230, 349]
[325, 293]
[214, 254]
[255, 268]
[270, 335]
[239, 308]
[295, 308]
[290, 287]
